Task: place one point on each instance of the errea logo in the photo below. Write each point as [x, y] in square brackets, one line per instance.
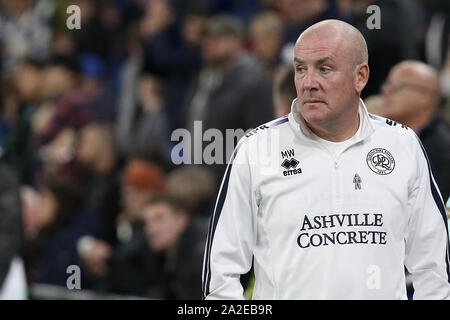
[290, 163]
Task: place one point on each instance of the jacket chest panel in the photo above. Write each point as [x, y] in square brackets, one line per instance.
[319, 185]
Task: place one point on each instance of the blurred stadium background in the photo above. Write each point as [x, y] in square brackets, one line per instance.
[86, 116]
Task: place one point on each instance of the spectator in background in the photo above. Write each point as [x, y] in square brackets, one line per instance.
[266, 32]
[94, 37]
[129, 267]
[100, 99]
[297, 15]
[25, 31]
[172, 230]
[230, 91]
[17, 147]
[413, 97]
[396, 40]
[59, 76]
[96, 152]
[144, 127]
[62, 44]
[172, 41]
[142, 180]
[82, 102]
[194, 188]
[284, 90]
[70, 112]
[62, 221]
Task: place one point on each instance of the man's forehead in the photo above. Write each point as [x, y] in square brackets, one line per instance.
[319, 58]
[416, 74]
[403, 73]
[325, 47]
[315, 54]
[317, 38]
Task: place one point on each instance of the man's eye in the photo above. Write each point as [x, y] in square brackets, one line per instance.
[324, 69]
[300, 69]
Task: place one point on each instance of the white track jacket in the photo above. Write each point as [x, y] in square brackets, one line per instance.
[323, 226]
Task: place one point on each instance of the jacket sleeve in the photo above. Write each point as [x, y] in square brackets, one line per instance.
[232, 231]
[427, 255]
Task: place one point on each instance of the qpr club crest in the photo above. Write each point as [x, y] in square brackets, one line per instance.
[380, 161]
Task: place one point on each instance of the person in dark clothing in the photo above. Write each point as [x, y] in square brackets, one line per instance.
[435, 138]
[62, 221]
[120, 269]
[265, 33]
[182, 273]
[231, 91]
[96, 152]
[412, 94]
[180, 237]
[172, 37]
[135, 269]
[284, 90]
[143, 127]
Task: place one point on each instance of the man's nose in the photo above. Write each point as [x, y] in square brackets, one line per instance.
[310, 81]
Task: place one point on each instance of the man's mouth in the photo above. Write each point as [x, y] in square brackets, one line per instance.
[312, 101]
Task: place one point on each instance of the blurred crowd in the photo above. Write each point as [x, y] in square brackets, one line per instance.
[86, 116]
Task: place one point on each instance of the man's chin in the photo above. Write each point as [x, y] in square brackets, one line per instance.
[314, 115]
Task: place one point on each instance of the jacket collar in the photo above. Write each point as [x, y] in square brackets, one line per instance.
[298, 125]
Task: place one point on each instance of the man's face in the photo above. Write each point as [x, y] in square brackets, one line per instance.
[56, 80]
[163, 226]
[404, 94]
[134, 200]
[265, 43]
[150, 94]
[28, 82]
[217, 50]
[324, 79]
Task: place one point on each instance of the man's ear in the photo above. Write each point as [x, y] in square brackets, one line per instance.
[361, 76]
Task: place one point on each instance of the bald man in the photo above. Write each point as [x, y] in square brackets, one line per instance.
[329, 201]
[412, 97]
